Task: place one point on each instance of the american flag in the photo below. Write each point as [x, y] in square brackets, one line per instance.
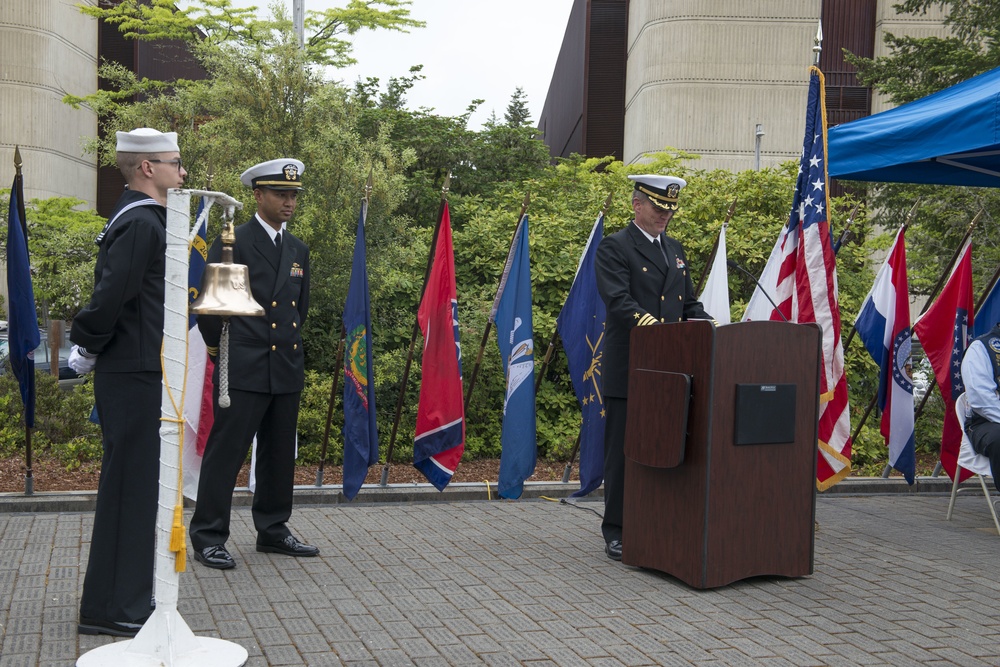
[807, 288]
[943, 331]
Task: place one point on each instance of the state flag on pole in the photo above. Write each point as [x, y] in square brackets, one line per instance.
[360, 432]
[884, 326]
[807, 288]
[581, 328]
[988, 314]
[943, 331]
[440, 434]
[22, 319]
[512, 311]
[715, 297]
[198, 381]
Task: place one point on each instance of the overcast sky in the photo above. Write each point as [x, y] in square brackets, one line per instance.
[470, 49]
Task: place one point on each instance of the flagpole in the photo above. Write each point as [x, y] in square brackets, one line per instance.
[576, 445]
[715, 248]
[493, 311]
[847, 228]
[413, 338]
[18, 191]
[334, 385]
[906, 225]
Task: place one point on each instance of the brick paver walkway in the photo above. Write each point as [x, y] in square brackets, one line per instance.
[527, 583]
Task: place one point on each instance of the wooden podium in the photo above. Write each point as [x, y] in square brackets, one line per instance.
[720, 450]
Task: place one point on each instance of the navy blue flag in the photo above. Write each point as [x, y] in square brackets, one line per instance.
[581, 327]
[22, 325]
[988, 315]
[360, 433]
[198, 258]
[512, 306]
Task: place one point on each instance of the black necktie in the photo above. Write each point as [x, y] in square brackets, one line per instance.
[659, 246]
[277, 243]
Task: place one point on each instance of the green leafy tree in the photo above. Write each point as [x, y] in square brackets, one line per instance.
[919, 66]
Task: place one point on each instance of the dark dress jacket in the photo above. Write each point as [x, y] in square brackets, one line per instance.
[123, 322]
[639, 287]
[265, 353]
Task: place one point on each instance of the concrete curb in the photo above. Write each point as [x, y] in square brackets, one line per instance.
[84, 501]
[330, 494]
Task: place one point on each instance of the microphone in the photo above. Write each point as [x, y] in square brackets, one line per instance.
[731, 263]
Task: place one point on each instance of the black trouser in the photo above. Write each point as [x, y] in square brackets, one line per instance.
[614, 467]
[118, 585]
[273, 418]
[985, 438]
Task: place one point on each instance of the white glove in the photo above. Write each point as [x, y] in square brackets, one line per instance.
[81, 361]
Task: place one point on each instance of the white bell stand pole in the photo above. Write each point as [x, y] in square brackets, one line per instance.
[165, 640]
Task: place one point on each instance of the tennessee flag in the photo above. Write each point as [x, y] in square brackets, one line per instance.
[943, 331]
[440, 434]
[884, 326]
[807, 288]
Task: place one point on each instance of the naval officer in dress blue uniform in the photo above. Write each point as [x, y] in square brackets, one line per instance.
[266, 375]
[643, 279]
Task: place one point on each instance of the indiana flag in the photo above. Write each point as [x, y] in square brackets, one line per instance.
[884, 326]
[715, 297]
[943, 331]
[360, 432]
[512, 309]
[807, 288]
[22, 325]
[198, 410]
[440, 435]
[581, 328]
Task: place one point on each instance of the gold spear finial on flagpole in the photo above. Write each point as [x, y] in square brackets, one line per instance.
[818, 48]
[446, 186]
[17, 160]
[607, 203]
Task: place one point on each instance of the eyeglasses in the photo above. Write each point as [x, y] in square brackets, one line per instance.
[176, 162]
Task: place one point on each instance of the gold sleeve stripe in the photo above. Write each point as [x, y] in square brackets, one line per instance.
[214, 351]
[647, 319]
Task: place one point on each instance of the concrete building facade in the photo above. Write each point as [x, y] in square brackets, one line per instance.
[48, 48]
[708, 77]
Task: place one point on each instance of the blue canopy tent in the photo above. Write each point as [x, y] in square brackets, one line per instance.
[951, 138]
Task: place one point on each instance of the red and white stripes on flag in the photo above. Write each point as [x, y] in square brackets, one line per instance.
[806, 288]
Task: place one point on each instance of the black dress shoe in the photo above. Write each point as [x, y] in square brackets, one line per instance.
[614, 549]
[94, 626]
[216, 556]
[289, 547]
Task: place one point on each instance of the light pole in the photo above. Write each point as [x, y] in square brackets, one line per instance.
[758, 133]
[299, 20]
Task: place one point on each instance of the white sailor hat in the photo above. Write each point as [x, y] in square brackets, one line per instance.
[281, 174]
[147, 140]
[661, 190]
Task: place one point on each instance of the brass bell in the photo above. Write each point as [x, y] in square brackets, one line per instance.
[226, 286]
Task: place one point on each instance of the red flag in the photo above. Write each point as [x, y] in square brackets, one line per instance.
[944, 332]
[807, 289]
[440, 434]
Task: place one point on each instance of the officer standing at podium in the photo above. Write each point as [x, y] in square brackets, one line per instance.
[643, 279]
[266, 375]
